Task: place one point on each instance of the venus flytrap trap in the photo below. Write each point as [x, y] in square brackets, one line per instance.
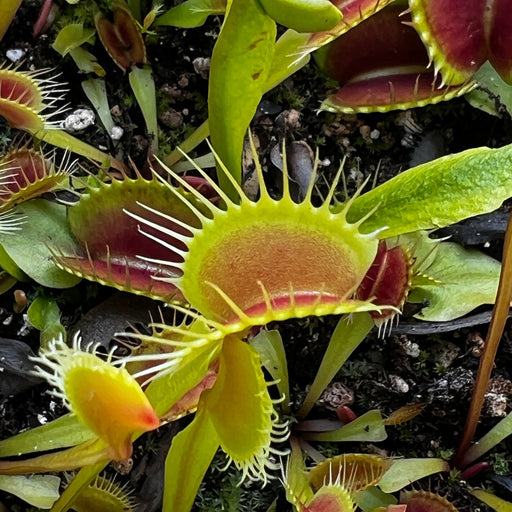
[483, 28]
[382, 65]
[214, 282]
[105, 495]
[423, 58]
[334, 485]
[121, 37]
[26, 174]
[24, 100]
[105, 399]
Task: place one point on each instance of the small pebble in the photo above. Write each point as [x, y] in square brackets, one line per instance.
[202, 66]
[123, 467]
[14, 55]
[79, 120]
[336, 395]
[409, 348]
[171, 118]
[495, 405]
[25, 329]
[116, 111]
[116, 133]
[398, 384]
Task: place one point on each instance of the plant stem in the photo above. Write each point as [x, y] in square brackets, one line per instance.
[499, 317]
[348, 335]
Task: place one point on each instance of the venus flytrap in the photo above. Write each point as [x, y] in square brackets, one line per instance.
[213, 246]
[220, 277]
[213, 282]
[25, 174]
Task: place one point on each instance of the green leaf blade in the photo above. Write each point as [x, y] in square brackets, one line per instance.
[44, 314]
[498, 504]
[45, 224]
[438, 193]
[60, 433]
[368, 427]
[404, 472]
[38, 490]
[192, 13]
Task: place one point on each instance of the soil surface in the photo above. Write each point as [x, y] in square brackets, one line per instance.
[418, 363]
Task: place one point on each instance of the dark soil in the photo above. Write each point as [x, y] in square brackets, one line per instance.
[436, 368]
